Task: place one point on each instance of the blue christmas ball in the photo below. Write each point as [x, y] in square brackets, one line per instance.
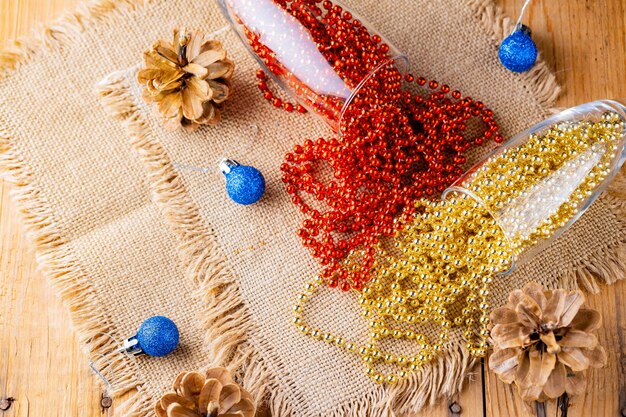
[157, 336]
[518, 51]
[244, 184]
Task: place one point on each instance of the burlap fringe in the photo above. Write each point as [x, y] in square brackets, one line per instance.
[605, 266]
[444, 377]
[53, 253]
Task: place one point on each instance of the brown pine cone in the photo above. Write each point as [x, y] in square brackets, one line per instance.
[543, 341]
[187, 79]
[213, 395]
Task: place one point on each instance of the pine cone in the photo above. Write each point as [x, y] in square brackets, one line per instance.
[188, 80]
[215, 395]
[543, 341]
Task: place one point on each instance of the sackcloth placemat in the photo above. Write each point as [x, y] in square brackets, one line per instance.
[226, 274]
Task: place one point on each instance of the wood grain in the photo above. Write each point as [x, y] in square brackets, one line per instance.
[585, 44]
[41, 364]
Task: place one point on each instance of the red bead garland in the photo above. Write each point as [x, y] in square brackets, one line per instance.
[344, 42]
[395, 146]
[416, 152]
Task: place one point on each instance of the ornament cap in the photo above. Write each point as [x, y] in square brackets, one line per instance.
[226, 165]
[524, 29]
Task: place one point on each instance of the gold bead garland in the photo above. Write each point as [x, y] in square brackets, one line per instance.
[440, 267]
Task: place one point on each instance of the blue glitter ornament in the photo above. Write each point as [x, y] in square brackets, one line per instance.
[244, 184]
[157, 336]
[518, 51]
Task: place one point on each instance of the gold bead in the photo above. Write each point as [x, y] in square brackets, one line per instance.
[480, 352]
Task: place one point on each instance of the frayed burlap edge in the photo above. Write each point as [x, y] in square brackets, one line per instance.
[607, 265]
[53, 252]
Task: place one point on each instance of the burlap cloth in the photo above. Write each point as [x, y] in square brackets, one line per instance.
[228, 274]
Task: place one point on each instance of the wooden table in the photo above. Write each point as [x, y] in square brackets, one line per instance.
[42, 366]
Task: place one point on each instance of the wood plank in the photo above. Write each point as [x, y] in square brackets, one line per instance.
[41, 363]
[585, 44]
[468, 403]
[606, 387]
